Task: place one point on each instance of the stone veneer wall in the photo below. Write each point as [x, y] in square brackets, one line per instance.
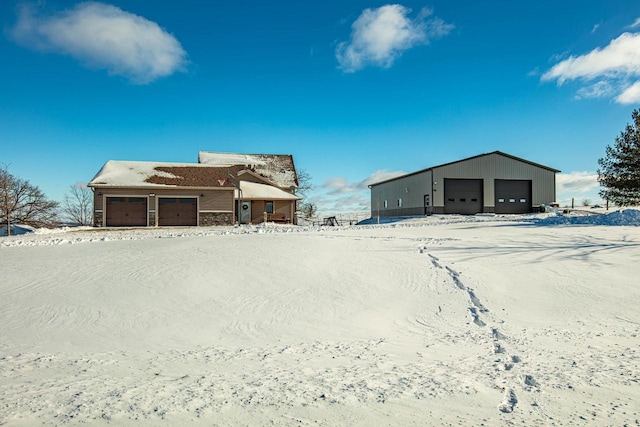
[216, 218]
[152, 218]
[97, 219]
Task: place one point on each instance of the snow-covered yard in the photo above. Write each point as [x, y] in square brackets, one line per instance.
[486, 320]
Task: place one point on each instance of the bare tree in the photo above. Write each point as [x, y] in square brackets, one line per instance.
[21, 202]
[304, 183]
[309, 210]
[77, 205]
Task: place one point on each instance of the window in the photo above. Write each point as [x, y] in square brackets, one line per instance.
[166, 200]
[137, 199]
[501, 200]
[463, 200]
[474, 200]
[451, 200]
[269, 207]
[115, 200]
[385, 204]
[523, 200]
[187, 200]
[512, 200]
[399, 203]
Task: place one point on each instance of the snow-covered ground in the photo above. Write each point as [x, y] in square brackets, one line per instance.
[446, 320]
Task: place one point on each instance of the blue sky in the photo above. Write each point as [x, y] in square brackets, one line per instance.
[356, 91]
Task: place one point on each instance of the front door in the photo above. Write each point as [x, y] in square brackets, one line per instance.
[245, 212]
[427, 205]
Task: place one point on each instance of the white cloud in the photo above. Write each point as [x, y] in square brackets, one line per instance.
[616, 65]
[104, 37]
[635, 24]
[337, 186]
[575, 187]
[577, 182]
[630, 95]
[379, 36]
[600, 89]
[339, 195]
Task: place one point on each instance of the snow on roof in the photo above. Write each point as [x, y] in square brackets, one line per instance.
[255, 191]
[116, 173]
[277, 168]
[229, 159]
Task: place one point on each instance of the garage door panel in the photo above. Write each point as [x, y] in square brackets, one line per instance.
[126, 212]
[180, 211]
[463, 196]
[512, 196]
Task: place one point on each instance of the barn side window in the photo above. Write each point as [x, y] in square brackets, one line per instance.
[399, 203]
[385, 204]
[269, 207]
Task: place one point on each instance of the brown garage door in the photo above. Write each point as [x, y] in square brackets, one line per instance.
[463, 196]
[513, 196]
[177, 211]
[126, 212]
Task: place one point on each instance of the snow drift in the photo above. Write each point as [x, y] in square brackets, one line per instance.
[443, 320]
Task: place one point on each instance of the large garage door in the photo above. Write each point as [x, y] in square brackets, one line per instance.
[126, 211]
[177, 211]
[512, 196]
[462, 196]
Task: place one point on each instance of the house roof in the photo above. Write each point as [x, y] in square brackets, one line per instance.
[464, 160]
[116, 173]
[279, 169]
[256, 191]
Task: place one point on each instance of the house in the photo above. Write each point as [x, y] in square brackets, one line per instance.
[493, 182]
[268, 184]
[222, 190]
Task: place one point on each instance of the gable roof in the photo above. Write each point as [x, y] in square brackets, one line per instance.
[278, 169]
[116, 173]
[255, 191]
[500, 153]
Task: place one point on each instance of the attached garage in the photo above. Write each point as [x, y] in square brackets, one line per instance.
[513, 196]
[126, 212]
[463, 196]
[150, 194]
[174, 211]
